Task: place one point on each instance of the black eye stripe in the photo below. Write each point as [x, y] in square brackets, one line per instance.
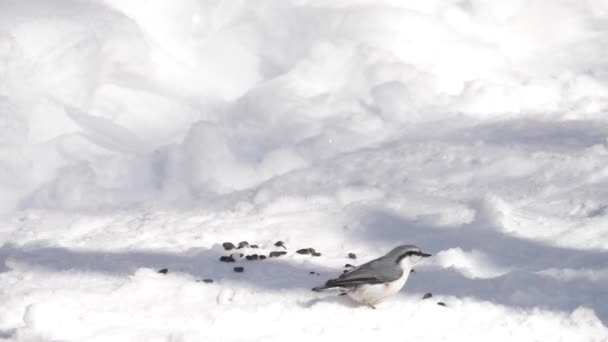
[406, 254]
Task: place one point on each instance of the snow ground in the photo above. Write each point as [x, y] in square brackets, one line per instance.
[141, 135]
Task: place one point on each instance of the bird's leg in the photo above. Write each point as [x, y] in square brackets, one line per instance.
[371, 306]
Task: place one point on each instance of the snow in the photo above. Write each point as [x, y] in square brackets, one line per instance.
[141, 135]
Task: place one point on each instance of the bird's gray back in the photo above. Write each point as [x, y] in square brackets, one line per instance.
[383, 269]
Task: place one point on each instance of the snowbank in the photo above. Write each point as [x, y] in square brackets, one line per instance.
[137, 135]
[122, 90]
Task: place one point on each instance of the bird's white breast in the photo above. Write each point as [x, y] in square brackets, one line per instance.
[375, 293]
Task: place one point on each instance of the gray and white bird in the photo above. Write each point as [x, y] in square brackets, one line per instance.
[378, 279]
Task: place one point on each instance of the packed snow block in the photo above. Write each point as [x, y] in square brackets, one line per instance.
[280, 161]
[209, 163]
[106, 133]
[13, 126]
[394, 102]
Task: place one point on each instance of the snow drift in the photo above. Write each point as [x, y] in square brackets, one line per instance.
[136, 135]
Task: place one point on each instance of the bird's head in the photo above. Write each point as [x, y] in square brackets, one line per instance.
[407, 256]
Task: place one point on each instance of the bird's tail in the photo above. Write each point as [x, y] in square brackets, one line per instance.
[328, 285]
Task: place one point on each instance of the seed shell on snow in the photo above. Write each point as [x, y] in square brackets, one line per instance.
[228, 246]
[227, 259]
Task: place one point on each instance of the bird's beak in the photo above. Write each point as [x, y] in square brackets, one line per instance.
[425, 255]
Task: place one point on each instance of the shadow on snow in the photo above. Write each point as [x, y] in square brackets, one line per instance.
[521, 285]
[273, 273]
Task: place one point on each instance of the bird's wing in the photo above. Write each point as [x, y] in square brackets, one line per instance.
[373, 272]
[351, 282]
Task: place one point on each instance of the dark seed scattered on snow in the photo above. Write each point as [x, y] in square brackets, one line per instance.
[276, 254]
[313, 273]
[227, 258]
[262, 257]
[348, 265]
[207, 281]
[228, 246]
[427, 295]
[441, 303]
[303, 251]
[252, 257]
[412, 271]
[352, 255]
[239, 269]
[253, 246]
[343, 294]
[243, 244]
[280, 244]
[163, 271]
[316, 254]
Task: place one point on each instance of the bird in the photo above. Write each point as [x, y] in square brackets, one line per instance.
[378, 279]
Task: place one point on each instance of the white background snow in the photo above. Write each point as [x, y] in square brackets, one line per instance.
[137, 135]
